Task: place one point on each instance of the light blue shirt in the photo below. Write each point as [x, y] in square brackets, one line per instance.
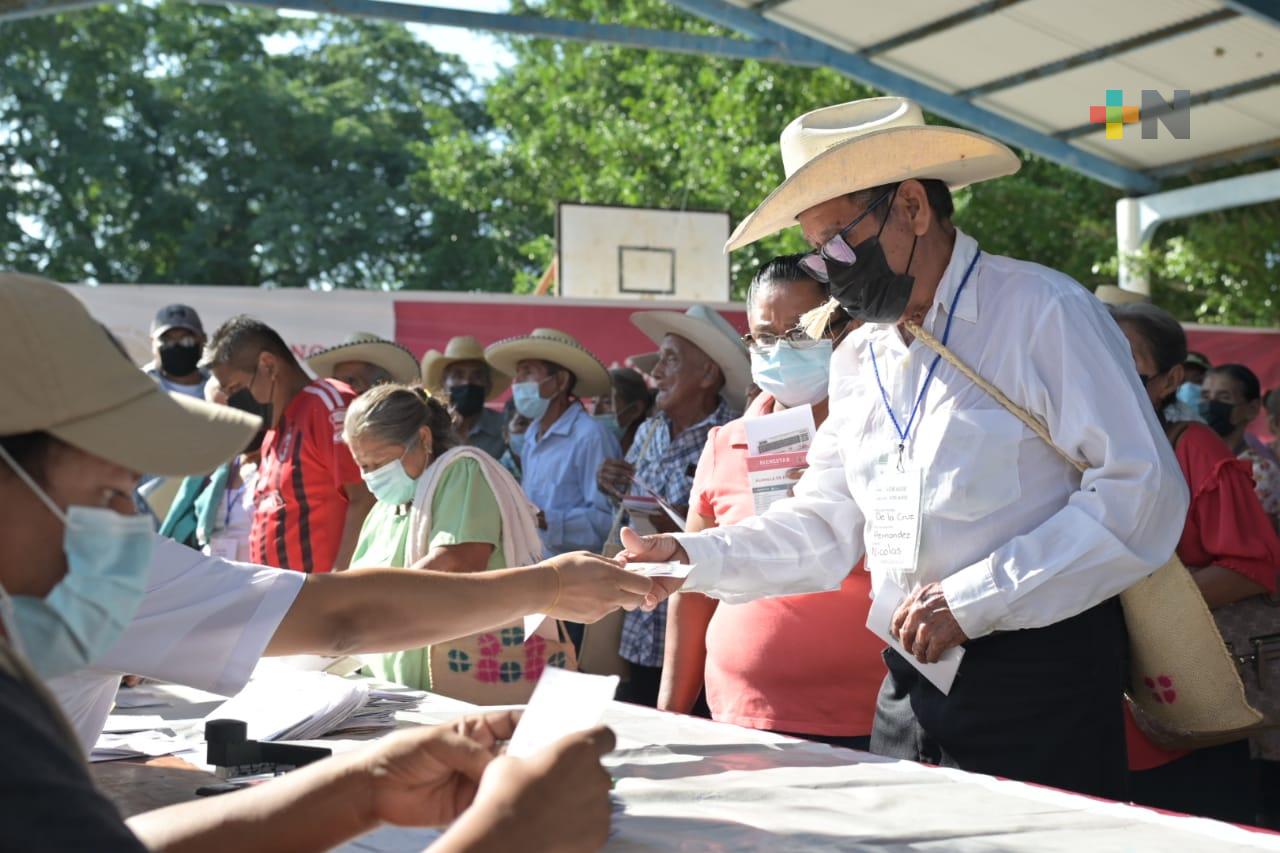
[560, 478]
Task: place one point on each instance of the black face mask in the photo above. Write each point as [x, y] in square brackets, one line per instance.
[179, 359]
[467, 400]
[1217, 415]
[868, 289]
[243, 401]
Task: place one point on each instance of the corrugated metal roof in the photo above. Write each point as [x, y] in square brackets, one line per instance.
[1043, 63]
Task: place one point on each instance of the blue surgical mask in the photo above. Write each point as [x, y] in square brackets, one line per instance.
[610, 423]
[108, 562]
[391, 484]
[1189, 394]
[793, 375]
[529, 400]
[516, 442]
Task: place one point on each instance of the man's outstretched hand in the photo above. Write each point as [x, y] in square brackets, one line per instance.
[659, 548]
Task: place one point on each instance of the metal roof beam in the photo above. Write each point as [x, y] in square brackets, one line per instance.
[556, 28]
[16, 10]
[1222, 93]
[796, 46]
[942, 24]
[1263, 10]
[1098, 53]
[1219, 159]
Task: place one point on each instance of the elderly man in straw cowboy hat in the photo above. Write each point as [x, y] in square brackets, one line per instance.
[462, 376]
[702, 373]
[563, 446]
[976, 530]
[364, 360]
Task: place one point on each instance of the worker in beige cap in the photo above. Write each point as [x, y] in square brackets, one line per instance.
[79, 422]
[977, 534]
[461, 376]
[364, 360]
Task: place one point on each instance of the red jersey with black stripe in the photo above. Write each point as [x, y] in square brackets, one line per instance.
[299, 497]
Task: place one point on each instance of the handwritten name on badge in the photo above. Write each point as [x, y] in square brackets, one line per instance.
[893, 541]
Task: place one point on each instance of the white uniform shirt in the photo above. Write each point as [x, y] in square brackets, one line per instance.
[1014, 534]
[204, 622]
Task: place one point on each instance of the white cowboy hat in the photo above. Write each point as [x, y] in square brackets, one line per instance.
[368, 347]
[863, 144]
[462, 348]
[1109, 294]
[558, 348]
[712, 334]
[76, 384]
[644, 362]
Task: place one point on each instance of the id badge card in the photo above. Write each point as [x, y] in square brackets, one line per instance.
[893, 540]
[222, 547]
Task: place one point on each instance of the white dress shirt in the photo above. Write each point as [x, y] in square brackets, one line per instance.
[1017, 538]
[204, 622]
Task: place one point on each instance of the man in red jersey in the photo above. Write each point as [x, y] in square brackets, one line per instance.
[310, 500]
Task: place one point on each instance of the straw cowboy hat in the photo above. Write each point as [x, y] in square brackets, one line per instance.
[368, 347]
[863, 144]
[462, 348]
[644, 362]
[712, 334]
[558, 348]
[1109, 294]
[76, 384]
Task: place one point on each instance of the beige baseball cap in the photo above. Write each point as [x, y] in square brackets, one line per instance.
[65, 376]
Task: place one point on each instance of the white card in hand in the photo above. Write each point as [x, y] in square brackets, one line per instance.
[879, 619]
[562, 703]
[661, 570]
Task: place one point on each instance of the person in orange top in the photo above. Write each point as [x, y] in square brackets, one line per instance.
[1233, 553]
[804, 665]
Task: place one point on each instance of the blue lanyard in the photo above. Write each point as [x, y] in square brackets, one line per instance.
[903, 433]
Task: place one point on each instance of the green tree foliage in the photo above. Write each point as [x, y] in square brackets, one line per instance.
[167, 143]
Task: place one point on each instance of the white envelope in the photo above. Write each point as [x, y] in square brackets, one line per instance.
[888, 596]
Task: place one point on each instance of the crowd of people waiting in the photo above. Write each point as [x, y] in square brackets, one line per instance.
[366, 504]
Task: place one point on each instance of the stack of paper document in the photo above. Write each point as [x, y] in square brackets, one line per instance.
[291, 705]
[378, 712]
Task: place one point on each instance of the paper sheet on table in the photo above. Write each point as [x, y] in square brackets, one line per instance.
[888, 596]
[118, 724]
[562, 703]
[139, 697]
[661, 570]
[151, 744]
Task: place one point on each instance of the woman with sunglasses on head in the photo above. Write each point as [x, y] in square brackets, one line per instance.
[1233, 555]
[800, 665]
[79, 422]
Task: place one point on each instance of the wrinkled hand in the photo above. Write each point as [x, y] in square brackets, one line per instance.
[614, 477]
[660, 548]
[556, 800]
[924, 625]
[592, 586]
[427, 776]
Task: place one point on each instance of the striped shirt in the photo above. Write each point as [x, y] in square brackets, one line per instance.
[299, 497]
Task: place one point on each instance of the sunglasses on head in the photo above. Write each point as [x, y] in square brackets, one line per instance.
[837, 249]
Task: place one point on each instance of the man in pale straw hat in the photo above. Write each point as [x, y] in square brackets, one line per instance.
[563, 446]
[364, 360]
[462, 376]
[702, 374]
[978, 531]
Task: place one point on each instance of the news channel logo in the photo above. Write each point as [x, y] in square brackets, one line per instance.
[1153, 111]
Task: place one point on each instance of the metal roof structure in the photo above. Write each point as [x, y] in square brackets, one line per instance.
[1032, 73]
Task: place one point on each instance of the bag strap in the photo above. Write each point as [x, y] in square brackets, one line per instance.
[1032, 422]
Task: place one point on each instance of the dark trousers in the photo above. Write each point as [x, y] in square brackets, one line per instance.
[1218, 782]
[1040, 705]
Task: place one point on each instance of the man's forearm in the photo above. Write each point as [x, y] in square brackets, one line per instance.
[384, 610]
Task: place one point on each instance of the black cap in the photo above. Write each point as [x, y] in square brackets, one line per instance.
[176, 317]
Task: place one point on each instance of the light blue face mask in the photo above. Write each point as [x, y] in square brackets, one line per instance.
[1189, 394]
[516, 442]
[791, 375]
[108, 562]
[610, 422]
[529, 400]
[391, 484]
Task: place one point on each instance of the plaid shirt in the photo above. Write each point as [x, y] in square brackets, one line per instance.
[668, 469]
